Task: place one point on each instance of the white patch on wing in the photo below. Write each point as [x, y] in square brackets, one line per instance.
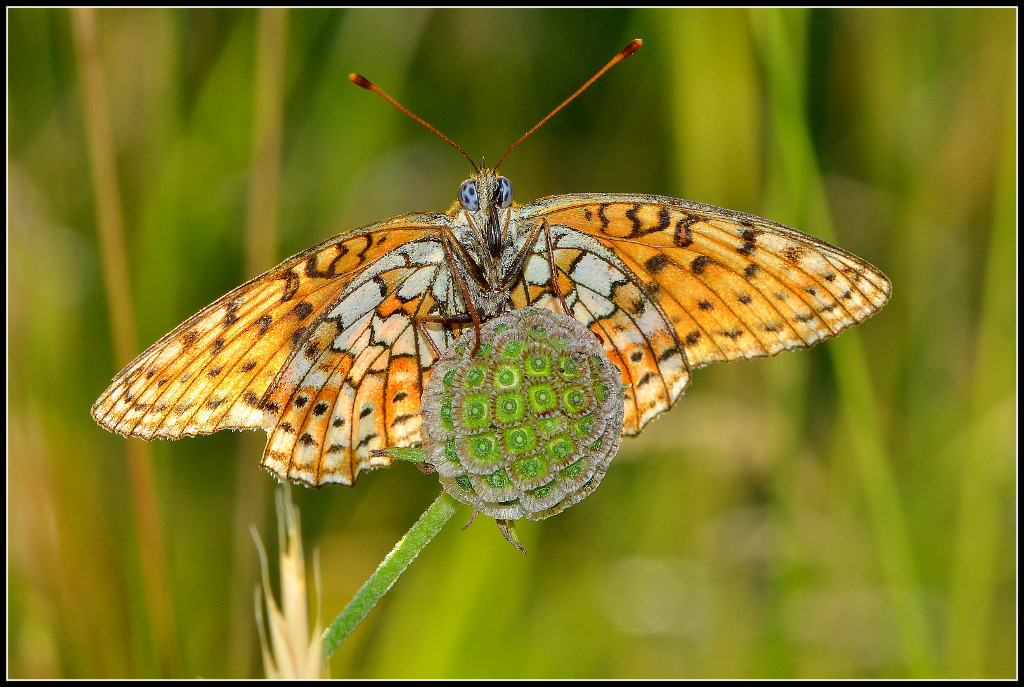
[424, 253]
[536, 271]
[357, 303]
[417, 284]
[444, 293]
[405, 343]
[596, 306]
[338, 434]
[596, 274]
[386, 331]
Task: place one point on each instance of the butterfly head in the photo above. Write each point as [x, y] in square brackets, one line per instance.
[488, 244]
[486, 198]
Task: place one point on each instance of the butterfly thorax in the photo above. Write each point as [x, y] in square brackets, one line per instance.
[489, 242]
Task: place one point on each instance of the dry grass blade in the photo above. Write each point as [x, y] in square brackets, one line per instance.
[295, 648]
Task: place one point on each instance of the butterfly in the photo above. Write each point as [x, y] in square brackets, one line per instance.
[331, 350]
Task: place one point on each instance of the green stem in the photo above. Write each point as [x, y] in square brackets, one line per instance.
[418, 536]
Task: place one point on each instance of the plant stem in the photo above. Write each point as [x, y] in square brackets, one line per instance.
[418, 536]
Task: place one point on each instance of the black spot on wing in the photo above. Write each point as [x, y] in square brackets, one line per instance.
[793, 254]
[602, 216]
[231, 316]
[733, 333]
[263, 324]
[646, 379]
[699, 264]
[656, 263]
[668, 353]
[367, 439]
[683, 236]
[631, 213]
[291, 286]
[749, 237]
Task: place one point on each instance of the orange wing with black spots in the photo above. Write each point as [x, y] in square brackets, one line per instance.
[320, 351]
[671, 285]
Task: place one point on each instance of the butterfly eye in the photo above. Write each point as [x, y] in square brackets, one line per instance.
[467, 195]
[503, 192]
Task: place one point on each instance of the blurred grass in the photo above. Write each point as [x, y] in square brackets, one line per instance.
[742, 535]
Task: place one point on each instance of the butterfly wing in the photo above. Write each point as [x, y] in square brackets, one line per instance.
[320, 351]
[672, 285]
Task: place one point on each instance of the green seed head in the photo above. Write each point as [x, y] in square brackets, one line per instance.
[510, 408]
[508, 376]
[475, 376]
[542, 399]
[538, 363]
[526, 425]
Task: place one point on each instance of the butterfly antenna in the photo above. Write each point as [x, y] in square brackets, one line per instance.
[360, 80]
[623, 54]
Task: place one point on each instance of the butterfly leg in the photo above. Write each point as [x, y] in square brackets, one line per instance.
[472, 518]
[517, 264]
[447, 239]
[508, 528]
[553, 271]
[421, 325]
[516, 269]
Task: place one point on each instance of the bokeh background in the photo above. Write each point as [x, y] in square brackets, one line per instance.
[848, 511]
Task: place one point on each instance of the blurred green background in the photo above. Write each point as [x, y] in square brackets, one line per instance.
[848, 511]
